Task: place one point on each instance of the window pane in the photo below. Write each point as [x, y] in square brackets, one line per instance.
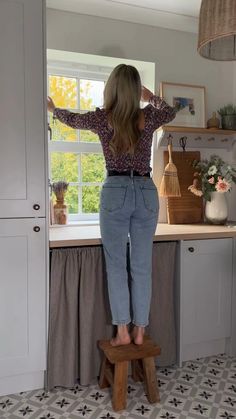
[63, 91]
[64, 166]
[90, 199]
[72, 200]
[88, 136]
[91, 94]
[93, 167]
[61, 132]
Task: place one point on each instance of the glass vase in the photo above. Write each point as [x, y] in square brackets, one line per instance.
[216, 210]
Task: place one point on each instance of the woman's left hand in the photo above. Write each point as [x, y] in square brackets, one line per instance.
[50, 104]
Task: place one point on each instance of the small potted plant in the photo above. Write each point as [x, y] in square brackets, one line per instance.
[60, 208]
[212, 179]
[228, 117]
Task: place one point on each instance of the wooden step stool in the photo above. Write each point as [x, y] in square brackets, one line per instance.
[114, 369]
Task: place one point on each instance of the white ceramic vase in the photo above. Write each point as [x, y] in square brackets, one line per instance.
[216, 210]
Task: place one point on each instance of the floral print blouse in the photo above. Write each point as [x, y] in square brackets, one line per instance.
[157, 113]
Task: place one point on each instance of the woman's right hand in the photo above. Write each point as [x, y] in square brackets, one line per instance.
[50, 104]
[146, 94]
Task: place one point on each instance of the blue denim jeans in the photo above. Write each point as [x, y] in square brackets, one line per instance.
[129, 211]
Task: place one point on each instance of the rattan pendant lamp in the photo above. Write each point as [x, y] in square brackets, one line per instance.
[217, 30]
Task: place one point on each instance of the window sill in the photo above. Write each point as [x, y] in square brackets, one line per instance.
[82, 223]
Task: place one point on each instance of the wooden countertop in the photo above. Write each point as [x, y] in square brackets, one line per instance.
[89, 235]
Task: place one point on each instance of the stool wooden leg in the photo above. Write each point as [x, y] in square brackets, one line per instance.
[150, 380]
[137, 369]
[119, 391]
[103, 382]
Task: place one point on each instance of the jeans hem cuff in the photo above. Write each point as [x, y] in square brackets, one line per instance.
[139, 324]
[122, 322]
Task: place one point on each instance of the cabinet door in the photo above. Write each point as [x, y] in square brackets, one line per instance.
[22, 296]
[22, 116]
[206, 281]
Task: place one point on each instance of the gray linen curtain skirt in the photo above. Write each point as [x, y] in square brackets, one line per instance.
[79, 313]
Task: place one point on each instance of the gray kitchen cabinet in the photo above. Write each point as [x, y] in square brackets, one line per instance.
[22, 304]
[23, 221]
[232, 345]
[22, 116]
[205, 286]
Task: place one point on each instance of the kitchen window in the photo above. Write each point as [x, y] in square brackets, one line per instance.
[75, 156]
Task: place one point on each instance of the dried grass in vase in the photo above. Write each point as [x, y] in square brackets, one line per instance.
[59, 188]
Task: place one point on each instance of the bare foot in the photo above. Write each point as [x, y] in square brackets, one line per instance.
[122, 336]
[138, 334]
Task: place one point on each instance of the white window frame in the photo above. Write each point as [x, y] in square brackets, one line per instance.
[86, 72]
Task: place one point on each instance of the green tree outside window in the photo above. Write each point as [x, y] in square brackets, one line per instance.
[70, 93]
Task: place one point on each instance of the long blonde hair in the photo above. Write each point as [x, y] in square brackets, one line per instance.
[122, 95]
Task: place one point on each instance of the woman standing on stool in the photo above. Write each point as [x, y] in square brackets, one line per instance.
[129, 201]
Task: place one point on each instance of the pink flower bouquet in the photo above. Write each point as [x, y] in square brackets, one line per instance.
[213, 175]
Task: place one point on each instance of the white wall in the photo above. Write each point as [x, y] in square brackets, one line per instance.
[173, 52]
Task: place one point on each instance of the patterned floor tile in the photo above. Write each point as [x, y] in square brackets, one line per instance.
[142, 410]
[181, 389]
[203, 388]
[177, 403]
[225, 414]
[165, 414]
[204, 395]
[200, 409]
[23, 410]
[229, 401]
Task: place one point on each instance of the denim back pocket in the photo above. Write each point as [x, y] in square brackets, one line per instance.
[113, 197]
[150, 197]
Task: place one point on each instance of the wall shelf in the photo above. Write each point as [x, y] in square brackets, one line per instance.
[196, 137]
[208, 131]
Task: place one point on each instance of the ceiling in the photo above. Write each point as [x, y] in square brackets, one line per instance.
[171, 14]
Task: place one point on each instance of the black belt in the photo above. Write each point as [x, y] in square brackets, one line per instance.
[130, 173]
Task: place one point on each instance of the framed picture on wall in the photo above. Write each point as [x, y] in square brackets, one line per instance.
[189, 100]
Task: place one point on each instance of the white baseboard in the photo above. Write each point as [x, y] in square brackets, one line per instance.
[22, 382]
[203, 349]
